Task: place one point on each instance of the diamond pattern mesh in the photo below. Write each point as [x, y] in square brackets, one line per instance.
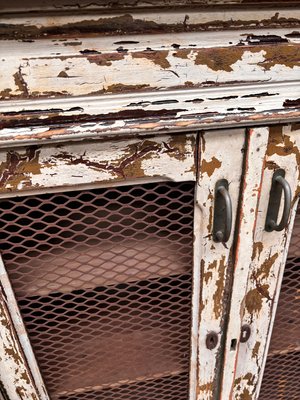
[281, 377]
[103, 279]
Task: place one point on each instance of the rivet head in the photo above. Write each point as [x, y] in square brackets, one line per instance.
[212, 340]
[245, 333]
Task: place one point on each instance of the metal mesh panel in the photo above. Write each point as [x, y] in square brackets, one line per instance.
[103, 279]
[281, 377]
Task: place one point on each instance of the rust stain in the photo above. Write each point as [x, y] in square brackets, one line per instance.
[6, 93]
[105, 59]
[219, 293]
[21, 83]
[210, 198]
[271, 165]
[119, 87]
[250, 379]
[207, 387]
[157, 57]
[257, 249]
[209, 167]
[281, 54]
[178, 145]
[282, 145]
[222, 58]
[255, 350]
[19, 167]
[245, 395]
[253, 299]
[264, 270]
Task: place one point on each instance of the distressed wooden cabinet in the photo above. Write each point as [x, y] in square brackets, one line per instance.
[125, 272]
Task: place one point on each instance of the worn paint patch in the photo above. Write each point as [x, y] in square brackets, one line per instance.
[257, 249]
[253, 301]
[282, 145]
[19, 167]
[106, 59]
[219, 292]
[223, 58]
[256, 349]
[254, 298]
[156, 57]
[264, 270]
[209, 167]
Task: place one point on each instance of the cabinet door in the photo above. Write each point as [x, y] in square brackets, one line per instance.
[221, 158]
[259, 266]
[118, 289]
[98, 278]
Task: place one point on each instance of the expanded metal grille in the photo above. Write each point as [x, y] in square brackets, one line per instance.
[103, 279]
[281, 377]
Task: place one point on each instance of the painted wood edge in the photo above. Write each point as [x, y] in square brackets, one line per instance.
[30, 24]
[101, 66]
[36, 168]
[151, 113]
[19, 371]
[215, 163]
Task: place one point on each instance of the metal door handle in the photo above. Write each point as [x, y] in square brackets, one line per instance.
[222, 212]
[279, 185]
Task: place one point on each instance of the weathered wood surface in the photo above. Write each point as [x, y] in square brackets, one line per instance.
[98, 163]
[269, 251]
[93, 66]
[157, 113]
[214, 260]
[88, 4]
[82, 21]
[257, 140]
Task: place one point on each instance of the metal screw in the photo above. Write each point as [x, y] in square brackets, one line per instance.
[245, 333]
[212, 340]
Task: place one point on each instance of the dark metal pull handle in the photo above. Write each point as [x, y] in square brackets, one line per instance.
[279, 185]
[222, 212]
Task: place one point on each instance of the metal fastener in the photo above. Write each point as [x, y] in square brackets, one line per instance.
[245, 333]
[212, 340]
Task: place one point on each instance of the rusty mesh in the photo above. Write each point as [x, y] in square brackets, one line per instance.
[103, 279]
[281, 380]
